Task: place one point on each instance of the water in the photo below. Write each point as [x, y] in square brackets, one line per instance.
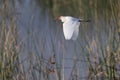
[42, 36]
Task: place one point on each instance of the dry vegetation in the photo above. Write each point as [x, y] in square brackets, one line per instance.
[103, 61]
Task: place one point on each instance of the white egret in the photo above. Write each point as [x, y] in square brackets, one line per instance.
[71, 26]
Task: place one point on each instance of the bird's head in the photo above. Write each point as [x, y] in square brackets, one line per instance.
[62, 18]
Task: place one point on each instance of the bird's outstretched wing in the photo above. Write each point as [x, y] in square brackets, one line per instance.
[71, 29]
[76, 32]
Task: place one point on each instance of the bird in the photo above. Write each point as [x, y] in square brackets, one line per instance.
[71, 26]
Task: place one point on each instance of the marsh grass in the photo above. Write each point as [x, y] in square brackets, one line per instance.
[103, 61]
[8, 48]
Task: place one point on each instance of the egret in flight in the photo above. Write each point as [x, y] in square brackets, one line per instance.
[71, 26]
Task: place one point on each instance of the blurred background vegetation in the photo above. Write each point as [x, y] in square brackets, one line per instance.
[102, 52]
[80, 8]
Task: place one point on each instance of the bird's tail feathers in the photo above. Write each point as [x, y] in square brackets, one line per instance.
[82, 20]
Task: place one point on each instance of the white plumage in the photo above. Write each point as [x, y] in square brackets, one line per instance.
[70, 27]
